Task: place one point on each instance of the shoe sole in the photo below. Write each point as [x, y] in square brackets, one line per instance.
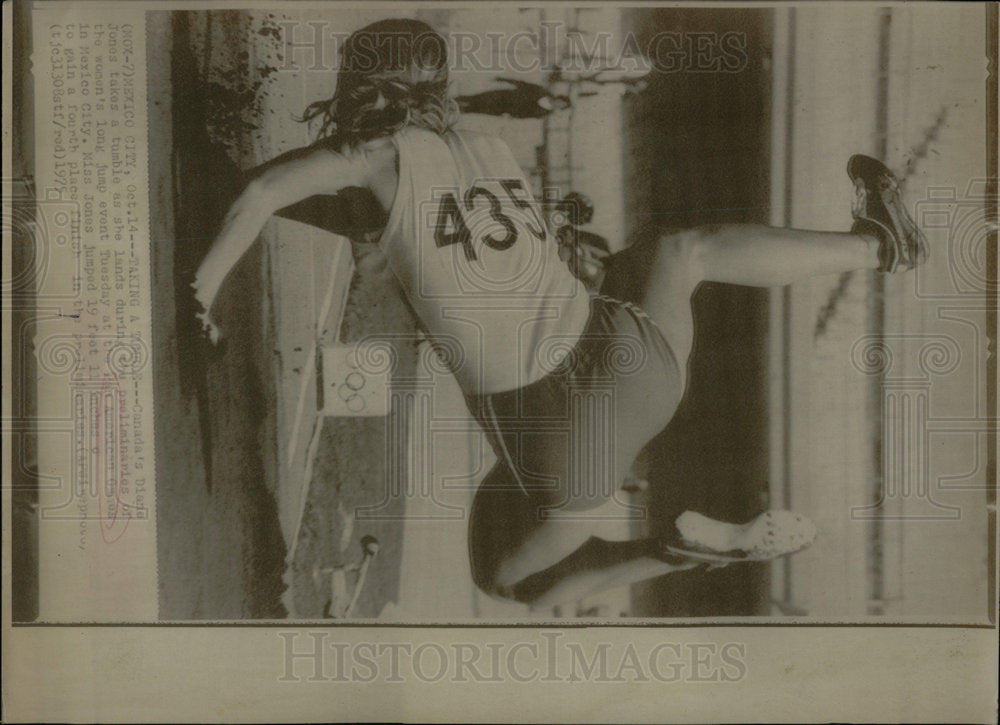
[772, 535]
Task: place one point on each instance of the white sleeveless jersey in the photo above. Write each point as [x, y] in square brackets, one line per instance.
[467, 241]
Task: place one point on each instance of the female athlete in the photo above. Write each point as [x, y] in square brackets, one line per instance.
[568, 386]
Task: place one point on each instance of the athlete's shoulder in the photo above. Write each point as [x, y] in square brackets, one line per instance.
[367, 161]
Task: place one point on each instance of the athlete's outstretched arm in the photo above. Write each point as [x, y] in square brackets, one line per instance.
[303, 174]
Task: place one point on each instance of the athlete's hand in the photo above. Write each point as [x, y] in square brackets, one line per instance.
[208, 325]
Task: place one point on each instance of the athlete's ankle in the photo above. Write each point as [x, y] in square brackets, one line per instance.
[873, 245]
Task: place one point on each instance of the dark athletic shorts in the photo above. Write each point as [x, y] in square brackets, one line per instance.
[564, 439]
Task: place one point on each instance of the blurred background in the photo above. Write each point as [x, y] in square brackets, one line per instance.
[857, 400]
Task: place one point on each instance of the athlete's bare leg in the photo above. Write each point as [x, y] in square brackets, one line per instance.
[598, 565]
[762, 256]
[661, 274]
[595, 566]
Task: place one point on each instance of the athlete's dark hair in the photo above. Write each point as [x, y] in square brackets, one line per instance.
[393, 73]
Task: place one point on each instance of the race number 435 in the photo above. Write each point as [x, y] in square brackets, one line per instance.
[499, 199]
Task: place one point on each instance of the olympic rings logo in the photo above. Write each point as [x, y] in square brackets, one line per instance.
[348, 391]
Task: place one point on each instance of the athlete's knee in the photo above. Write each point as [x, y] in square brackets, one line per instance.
[501, 577]
[682, 248]
[712, 243]
[500, 585]
[530, 590]
[685, 248]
